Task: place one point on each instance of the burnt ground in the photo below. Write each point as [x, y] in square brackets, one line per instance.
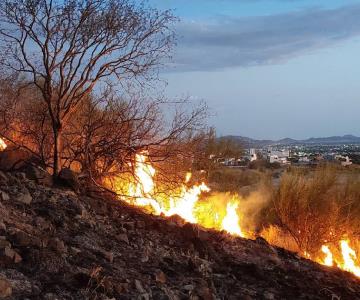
[55, 244]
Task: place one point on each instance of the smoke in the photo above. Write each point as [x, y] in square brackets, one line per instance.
[251, 207]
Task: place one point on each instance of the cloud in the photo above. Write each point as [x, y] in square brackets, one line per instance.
[226, 42]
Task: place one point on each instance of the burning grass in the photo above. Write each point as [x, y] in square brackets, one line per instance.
[313, 214]
[3, 145]
[317, 214]
[192, 203]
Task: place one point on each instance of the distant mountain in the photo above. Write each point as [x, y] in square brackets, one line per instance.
[345, 139]
[331, 140]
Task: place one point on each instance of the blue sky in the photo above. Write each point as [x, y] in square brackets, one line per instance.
[270, 68]
[208, 8]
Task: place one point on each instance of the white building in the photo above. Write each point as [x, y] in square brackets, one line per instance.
[346, 162]
[279, 156]
[253, 155]
[304, 159]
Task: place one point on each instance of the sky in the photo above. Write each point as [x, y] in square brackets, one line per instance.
[269, 68]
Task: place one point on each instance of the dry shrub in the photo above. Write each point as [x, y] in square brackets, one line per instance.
[316, 207]
[231, 180]
[278, 237]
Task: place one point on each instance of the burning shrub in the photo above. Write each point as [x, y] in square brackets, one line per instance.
[66, 49]
[23, 120]
[316, 208]
[279, 237]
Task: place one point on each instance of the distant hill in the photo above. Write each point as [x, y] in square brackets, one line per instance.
[331, 140]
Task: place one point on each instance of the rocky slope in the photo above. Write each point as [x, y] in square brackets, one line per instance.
[55, 244]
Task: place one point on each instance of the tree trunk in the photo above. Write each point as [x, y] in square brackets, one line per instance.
[57, 130]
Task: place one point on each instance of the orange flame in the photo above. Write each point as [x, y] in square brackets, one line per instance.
[184, 206]
[231, 221]
[188, 177]
[185, 203]
[328, 261]
[3, 145]
[347, 261]
[141, 191]
[349, 255]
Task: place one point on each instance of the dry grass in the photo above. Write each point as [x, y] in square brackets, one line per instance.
[233, 179]
[278, 237]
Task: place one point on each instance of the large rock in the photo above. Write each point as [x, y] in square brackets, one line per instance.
[22, 238]
[3, 177]
[4, 243]
[69, 178]
[24, 197]
[4, 196]
[57, 245]
[38, 174]
[12, 255]
[21, 286]
[5, 288]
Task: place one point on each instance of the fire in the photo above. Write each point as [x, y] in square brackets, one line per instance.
[145, 172]
[185, 202]
[188, 177]
[349, 255]
[189, 203]
[3, 145]
[141, 191]
[184, 206]
[328, 261]
[347, 262]
[231, 221]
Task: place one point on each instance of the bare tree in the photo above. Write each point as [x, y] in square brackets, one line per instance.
[68, 47]
[104, 137]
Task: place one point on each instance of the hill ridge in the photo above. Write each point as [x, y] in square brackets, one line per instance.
[247, 141]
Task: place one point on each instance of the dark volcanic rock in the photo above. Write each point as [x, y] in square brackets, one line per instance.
[66, 246]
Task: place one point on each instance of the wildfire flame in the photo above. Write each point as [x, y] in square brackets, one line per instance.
[328, 261]
[349, 255]
[188, 177]
[185, 203]
[347, 261]
[3, 145]
[231, 221]
[184, 206]
[141, 191]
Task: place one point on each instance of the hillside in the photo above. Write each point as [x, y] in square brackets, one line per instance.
[332, 140]
[55, 244]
